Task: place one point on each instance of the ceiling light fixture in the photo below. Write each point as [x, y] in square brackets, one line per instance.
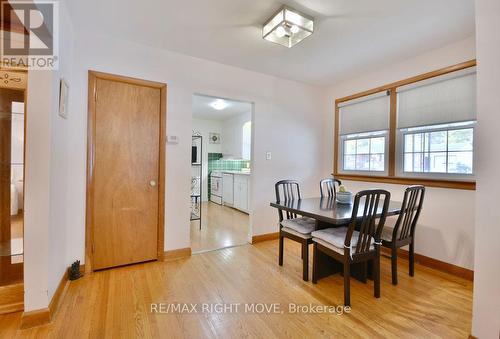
[219, 104]
[288, 27]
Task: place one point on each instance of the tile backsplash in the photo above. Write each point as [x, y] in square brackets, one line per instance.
[217, 163]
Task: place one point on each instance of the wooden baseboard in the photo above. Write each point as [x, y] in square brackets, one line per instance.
[11, 298]
[180, 253]
[35, 318]
[265, 237]
[435, 264]
[46, 315]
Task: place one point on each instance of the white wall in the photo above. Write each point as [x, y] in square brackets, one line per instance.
[486, 311]
[60, 177]
[288, 122]
[205, 127]
[446, 227]
[232, 134]
[37, 187]
[47, 179]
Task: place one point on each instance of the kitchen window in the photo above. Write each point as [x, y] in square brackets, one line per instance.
[246, 142]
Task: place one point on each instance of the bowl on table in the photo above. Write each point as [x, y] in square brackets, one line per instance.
[344, 198]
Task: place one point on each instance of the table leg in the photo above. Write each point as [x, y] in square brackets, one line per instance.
[324, 265]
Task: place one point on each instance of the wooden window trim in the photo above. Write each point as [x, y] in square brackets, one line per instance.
[391, 178]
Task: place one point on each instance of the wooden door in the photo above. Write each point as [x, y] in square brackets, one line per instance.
[126, 174]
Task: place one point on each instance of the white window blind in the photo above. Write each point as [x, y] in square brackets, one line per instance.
[444, 99]
[366, 114]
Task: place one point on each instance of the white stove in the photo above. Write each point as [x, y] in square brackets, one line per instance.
[216, 187]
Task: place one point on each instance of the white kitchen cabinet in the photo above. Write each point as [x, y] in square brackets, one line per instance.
[241, 184]
[228, 189]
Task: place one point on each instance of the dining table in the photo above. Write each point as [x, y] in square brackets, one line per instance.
[328, 213]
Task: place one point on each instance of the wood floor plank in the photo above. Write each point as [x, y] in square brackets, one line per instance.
[117, 303]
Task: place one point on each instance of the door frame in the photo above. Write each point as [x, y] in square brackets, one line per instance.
[91, 129]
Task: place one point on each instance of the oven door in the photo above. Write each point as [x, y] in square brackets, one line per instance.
[216, 190]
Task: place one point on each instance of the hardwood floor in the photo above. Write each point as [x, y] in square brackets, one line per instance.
[221, 227]
[11, 254]
[116, 303]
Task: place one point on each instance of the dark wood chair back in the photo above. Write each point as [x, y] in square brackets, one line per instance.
[328, 187]
[287, 190]
[370, 222]
[410, 212]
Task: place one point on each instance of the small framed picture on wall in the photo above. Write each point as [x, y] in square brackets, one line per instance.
[63, 99]
[214, 138]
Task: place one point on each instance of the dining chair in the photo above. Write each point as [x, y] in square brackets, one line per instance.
[357, 243]
[328, 187]
[293, 226]
[403, 232]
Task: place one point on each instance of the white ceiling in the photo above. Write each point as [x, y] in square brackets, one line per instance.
[351, 36]
[202, 108]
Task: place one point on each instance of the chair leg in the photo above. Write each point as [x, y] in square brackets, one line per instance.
[281, 244]
[412, 259]
[305, 261]
[315, 264]
[394, 265]
[347, 284]
[376, 276]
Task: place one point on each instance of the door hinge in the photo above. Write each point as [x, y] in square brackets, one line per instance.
[95, 96]
[93, 248]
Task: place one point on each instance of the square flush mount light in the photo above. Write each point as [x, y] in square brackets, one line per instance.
[288, 27]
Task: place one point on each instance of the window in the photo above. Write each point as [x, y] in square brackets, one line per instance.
[364, 124]
[436, 126]
[414, 131]
[439, 149]
[364, 152]
[247, 140]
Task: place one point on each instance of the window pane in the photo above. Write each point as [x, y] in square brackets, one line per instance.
[460, 162]
[408, 162]
[364, 152]
[408, 143]
[377, 145]
[437, 162]
[363, 162]
[349, 162]
[350, 147]
[377, 162]
[437, 141]
[418, 142]
[460, 140]
[363, 146]
[417, 162]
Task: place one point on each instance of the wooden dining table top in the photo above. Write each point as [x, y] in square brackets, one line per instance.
[328, 210]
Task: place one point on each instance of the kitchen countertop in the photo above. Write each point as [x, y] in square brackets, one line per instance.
[237, 172]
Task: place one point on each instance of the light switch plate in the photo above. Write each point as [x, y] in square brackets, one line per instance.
[172, 139]
[268, 155]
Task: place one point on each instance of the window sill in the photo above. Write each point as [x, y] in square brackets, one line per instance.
[453, 184]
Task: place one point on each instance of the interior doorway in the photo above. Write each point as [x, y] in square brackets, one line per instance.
[12, 167]
[221, 175]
